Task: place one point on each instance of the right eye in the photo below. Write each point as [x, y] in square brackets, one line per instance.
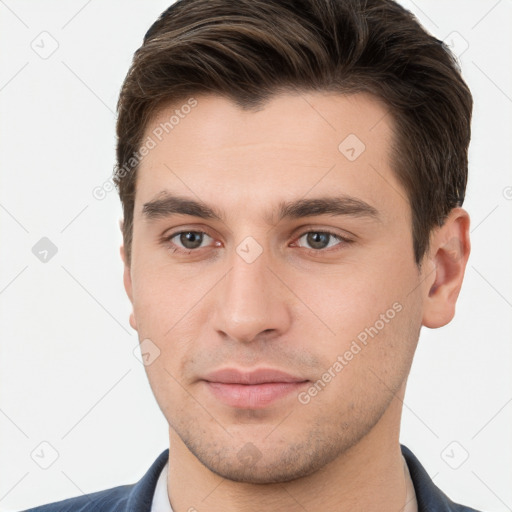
[186, 241]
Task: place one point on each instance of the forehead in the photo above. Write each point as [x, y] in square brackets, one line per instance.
[292, 146]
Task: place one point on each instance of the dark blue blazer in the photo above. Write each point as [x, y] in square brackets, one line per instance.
[138, 497]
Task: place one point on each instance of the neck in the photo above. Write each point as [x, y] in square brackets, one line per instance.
[369, 476]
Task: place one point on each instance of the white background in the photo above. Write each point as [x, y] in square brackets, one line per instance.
[68, 375]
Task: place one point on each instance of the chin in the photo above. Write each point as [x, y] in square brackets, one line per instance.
[273, 463]
[271, 473]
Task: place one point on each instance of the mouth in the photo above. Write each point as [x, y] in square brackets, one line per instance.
[252, 390]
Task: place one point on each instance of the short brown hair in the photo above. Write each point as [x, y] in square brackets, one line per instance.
[248, 50]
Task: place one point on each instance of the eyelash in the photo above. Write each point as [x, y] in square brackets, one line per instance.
[342, 240]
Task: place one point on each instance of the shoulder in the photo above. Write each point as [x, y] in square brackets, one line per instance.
[429, 497]
[111, 500]
[125, 498]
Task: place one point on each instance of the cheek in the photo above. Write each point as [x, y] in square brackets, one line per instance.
[169, 310]
[368, 316]
[162, 296]
[365, 364]
[347, 302]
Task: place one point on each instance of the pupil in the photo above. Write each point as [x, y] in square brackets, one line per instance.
[318, 240]
[191, 240]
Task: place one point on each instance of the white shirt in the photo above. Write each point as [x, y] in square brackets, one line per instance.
[161, 501]
[411, 505]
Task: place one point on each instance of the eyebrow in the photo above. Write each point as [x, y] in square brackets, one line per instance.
[167, 205]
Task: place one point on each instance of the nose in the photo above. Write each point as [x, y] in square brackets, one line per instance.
[251, 302]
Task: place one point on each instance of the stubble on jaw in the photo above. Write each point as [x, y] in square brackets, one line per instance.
[281, 461]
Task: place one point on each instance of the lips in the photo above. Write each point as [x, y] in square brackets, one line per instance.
[252, 390]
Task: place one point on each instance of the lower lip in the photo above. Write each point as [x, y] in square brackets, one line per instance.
[254, 396]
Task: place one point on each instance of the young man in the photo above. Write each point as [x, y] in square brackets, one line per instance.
[292, 175]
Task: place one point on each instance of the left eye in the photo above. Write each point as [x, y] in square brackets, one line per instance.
[319, 240]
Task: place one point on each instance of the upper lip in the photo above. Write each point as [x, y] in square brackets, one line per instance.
[258, 376]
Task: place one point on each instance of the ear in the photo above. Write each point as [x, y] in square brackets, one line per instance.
[447, 256]
[127, 281]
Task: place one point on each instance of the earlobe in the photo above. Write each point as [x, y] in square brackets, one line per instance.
[133, 324]
[449, 253]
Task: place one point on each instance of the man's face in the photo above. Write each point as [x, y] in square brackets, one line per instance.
[281, 346]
